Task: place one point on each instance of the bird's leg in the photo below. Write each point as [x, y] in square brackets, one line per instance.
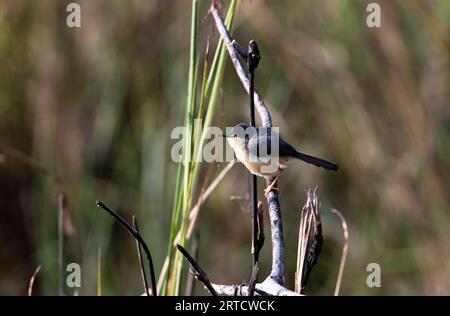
[271, 186]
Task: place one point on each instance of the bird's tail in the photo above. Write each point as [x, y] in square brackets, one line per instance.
[317, 162]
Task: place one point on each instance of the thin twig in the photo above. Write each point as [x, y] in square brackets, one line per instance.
[266, 119]
[252, 58]
[199, 273]
[260, 237]
[259, 242]
[138, 237]
[252, 62]
[190, 284]
[193, 215]
[255, 247]
[141, 261]
[253, 280]
[33, 277]
[204, 195]
[344, 250]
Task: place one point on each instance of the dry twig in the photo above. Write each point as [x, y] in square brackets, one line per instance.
[199, 273]
[141, 261]
[30, 285]
[277, 271]
[190, 285]
[344, 250]
[138, 238]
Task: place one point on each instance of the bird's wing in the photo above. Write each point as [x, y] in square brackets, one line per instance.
[260, 147]
[286, 149]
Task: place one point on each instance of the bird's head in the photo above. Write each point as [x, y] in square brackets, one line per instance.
[238, 135]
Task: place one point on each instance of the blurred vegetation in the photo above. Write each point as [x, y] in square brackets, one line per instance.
[95, 108]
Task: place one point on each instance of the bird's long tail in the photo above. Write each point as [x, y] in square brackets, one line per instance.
[317, 161]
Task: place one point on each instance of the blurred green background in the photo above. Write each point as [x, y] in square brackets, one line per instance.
[95, 107]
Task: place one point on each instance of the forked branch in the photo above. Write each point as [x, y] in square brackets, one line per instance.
[277, 272]
[138, 238]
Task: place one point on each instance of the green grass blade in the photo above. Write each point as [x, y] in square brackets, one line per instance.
[187, 172]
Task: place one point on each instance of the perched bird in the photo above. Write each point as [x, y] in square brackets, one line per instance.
[253, 147]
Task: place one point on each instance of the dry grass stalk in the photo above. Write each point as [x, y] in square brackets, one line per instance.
[344, 250]
[310, 240]
[193, 215]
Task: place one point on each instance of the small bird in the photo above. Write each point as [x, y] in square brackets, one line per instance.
[248, 144]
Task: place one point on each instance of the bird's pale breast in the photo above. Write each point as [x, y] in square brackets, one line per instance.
[265, 168]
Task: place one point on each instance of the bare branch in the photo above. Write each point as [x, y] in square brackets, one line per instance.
[190, 284]
[276, 229]
[252, 57]
[260, 236]
[267, 288]
[199, 273]
[277, 272]
[253, 280]
[266, 119]
[138, 238]
[141, 261]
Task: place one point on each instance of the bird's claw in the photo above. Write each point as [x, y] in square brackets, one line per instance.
[271, 187]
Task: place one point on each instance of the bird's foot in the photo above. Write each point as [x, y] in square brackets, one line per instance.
[271, 187]
[268, 189]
